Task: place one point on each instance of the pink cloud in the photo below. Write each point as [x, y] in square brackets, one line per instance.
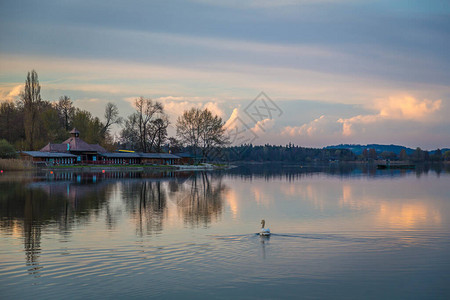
[397, 108]
[407, 107]
[10, 93]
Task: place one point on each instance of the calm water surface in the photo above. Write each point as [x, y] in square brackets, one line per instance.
[337, 233]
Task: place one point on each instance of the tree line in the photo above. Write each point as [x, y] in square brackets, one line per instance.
[293, 153]
[31, 122]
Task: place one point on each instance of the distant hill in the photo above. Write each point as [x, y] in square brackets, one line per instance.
[358, 149]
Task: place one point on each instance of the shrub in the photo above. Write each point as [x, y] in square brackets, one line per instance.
[7, 150]
[12, 164]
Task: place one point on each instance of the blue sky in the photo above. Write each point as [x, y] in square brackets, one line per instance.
[341, 71]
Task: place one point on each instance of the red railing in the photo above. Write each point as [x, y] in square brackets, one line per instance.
[105, 162]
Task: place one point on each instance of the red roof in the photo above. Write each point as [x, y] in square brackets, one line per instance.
[75, 144]
[54, 148]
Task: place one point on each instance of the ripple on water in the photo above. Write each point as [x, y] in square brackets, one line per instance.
[222, 261]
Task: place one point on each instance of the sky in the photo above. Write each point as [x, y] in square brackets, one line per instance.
[331, 71]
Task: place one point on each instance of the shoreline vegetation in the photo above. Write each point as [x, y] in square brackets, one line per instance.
[13, 164]
[31, 122]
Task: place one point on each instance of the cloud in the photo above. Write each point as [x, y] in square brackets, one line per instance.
[234, 115]
[348, 124]
[239, 114]
[263, 126]
[209, 81]
[323, 126]
[398, 119]
[214, 108]
[175, 108]
[131, 101]
[405, 108]
[243, 130]
[10, 94]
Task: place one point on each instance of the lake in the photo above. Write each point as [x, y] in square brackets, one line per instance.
[338, 232]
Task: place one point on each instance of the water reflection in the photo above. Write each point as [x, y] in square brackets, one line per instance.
[408, 215]
[61, 201]
[200, 199]
[264, 241]
[295, 172]
[404, 210]
[64, 198]
[146, 201]
[150, 228]
[26, 211]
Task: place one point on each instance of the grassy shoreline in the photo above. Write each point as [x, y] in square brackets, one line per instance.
[14, 164]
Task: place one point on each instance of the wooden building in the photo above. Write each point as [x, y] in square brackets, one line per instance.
[159, 158]
[76, 151]
[186, 158]
[121, 158]
[48, 158]
[84, 152]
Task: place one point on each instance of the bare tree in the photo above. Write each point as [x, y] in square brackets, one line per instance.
[174, 144]
[111, 117]
[129, 136]
[146, 129]
[189, 128]
[158, 132]
[212, 132]
[147, 110]
[201, 130]
[31, 100]
[65, 110]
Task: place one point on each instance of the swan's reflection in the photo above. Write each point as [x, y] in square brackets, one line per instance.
[264, 239]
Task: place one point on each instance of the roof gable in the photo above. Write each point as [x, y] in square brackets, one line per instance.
[77, 144]
[54, 148]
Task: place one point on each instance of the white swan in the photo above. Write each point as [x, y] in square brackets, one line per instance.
[264, 231]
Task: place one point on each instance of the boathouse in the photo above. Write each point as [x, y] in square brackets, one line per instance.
[76, 151]
[40, 157]
[84, 152]
[159, 158]
[121, 158]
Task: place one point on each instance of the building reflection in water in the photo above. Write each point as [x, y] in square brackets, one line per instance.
[62, 200]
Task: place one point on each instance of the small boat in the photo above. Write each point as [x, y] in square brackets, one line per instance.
[264, 231]
[395, 166]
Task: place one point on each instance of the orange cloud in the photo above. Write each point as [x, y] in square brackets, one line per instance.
[9, 93]
[394, 108]
[407, 107]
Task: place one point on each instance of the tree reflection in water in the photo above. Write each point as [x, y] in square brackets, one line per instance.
[200, 200]
[62, 202]
[147, 203]
[29, 210]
